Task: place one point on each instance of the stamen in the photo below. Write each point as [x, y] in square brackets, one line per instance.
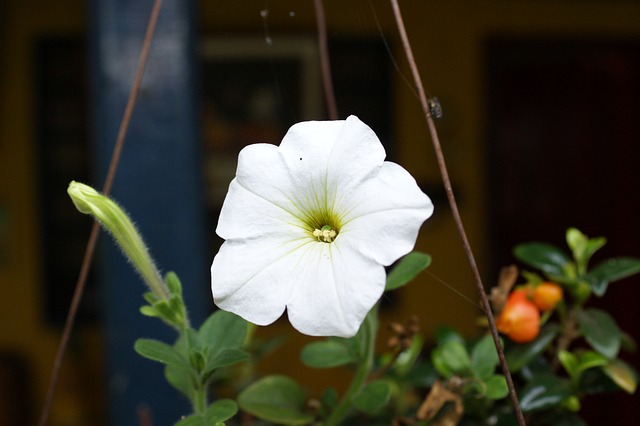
[325, 234]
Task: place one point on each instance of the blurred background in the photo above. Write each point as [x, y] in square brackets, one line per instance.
[541, 101]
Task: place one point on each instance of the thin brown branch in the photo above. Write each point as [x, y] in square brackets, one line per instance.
[327, 81]
[454, 209]
[93, 236]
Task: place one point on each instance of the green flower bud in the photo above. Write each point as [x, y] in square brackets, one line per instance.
[89, 201]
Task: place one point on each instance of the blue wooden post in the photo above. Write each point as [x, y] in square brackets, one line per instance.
[158, 182]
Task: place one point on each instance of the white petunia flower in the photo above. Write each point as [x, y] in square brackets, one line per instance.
[310, 225]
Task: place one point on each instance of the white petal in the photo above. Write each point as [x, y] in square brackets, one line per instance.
[346, 147]
[385, 214]
[335, 289]
[262, 184]
[356, 156]
[326, 158]
[252, 278]
[247, 215]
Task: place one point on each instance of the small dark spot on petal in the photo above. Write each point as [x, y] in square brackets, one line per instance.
[300, 158]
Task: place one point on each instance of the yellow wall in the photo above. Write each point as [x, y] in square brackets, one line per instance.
[448, 39]
[21, 324]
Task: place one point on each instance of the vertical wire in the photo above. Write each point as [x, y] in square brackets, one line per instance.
[93, 236]
[454, 209]
[327, 81]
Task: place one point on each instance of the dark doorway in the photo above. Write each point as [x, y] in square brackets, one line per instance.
[563, 147]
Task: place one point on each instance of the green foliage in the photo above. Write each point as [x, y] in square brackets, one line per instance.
[544, 392]
[277, 399]
[215, 415]
[496, 387]
[191, 362]
[552, 372]
[583, 248]
[600, 331]
[546, 257]
[622, 374]
[589, 371]
[521, 355]
[452, 359]
[407, 269]
[484, 358]
[169, 309]
[460, 376]
[611, 270]
[161, 352]
[373, 397]
[327, 354]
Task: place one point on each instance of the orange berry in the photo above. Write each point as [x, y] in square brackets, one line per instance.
[520, 318]
[546, 295]
[521, 293]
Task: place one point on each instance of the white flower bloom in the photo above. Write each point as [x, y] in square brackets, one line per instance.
[310, 225]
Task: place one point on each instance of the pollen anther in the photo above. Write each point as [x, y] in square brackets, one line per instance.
[325, 234]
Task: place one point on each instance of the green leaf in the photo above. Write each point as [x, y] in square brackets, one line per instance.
[590, 359]
[546, 257]
[622, 374]
[600, 331]
[496, 387]
[532, 277]
[326, 354]
[221, 410]
[220, 337]
[595, 381]
[576, 240]
[329, 398]
[150, 297]
[408, 358]
[576, 363]
[165, 311]
[628, 344]
[149, 311]
[593, 245]
[520, 355]
[360, 344]
[161, 352]
[193, 420]
[451, 358]
[373, 397]
[582, 247]
[225, 358]
[197, 420]
[611, 270]
[544, 392]
[180, 379]
[196, 358]
[222, 330]
[277, 399]
[173, 283]
[484, 357]
[570, 363]
[407, 269]
[446, 333]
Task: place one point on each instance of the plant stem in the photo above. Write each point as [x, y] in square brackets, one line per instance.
[199, 399]
[366, 351]
[569, 326]
[199, 396]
